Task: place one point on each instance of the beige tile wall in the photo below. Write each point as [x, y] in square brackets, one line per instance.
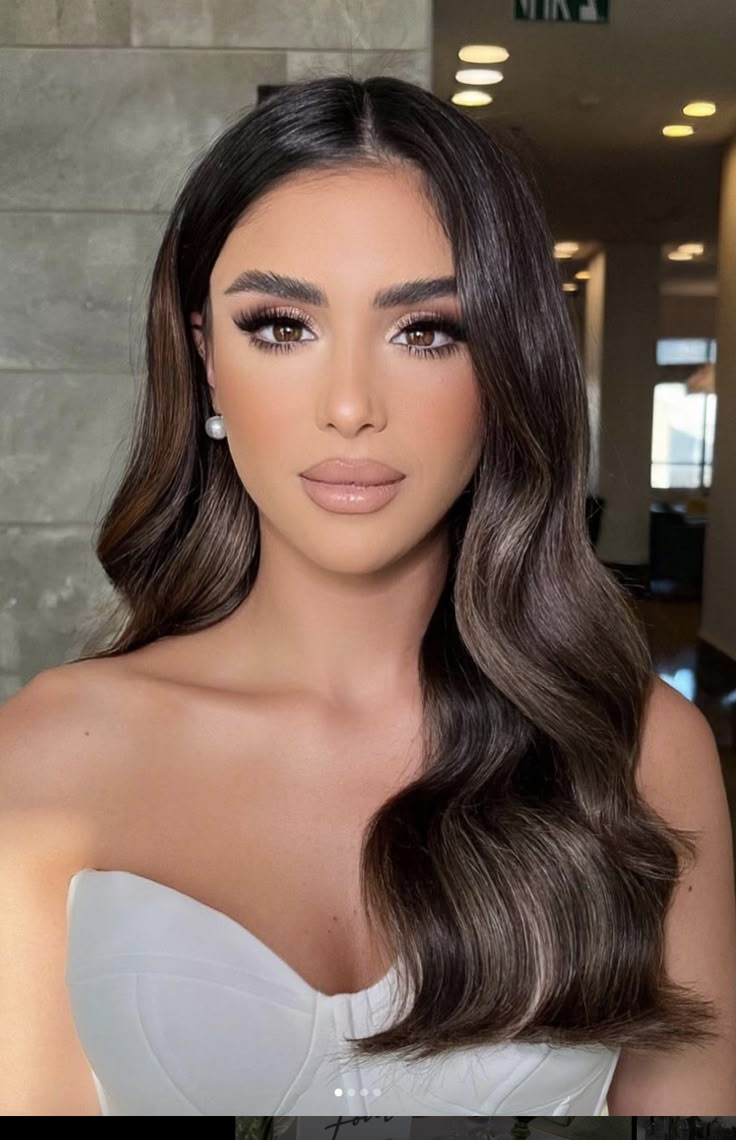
[105, 104]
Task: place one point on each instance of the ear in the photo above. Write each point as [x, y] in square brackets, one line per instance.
[201, 346]
[198, 333]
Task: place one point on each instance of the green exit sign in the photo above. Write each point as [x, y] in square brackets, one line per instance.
[568, 11]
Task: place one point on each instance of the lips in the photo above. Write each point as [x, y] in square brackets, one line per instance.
[362, 472]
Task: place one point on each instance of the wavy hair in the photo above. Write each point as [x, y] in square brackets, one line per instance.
[520, 881]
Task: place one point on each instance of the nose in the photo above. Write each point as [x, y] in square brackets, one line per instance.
[350, 395]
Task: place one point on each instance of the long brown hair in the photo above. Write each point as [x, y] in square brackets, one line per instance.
[520, 881]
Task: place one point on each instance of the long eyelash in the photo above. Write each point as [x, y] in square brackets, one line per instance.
[252, 322]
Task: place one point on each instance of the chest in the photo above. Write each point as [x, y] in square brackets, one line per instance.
[261, 816]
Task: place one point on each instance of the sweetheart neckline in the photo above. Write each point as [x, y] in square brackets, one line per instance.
[371, 990]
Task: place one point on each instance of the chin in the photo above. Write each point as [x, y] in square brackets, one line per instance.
[367, 557]
[356, 565]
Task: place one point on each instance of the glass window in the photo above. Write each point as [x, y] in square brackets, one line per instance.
[685, 350]
[683, 428]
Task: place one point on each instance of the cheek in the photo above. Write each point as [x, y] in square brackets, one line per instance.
[439, 419]
[448, 422]
[260, 412]
[260, 426]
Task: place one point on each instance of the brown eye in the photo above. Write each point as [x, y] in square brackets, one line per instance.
[421, 337]
[274, 330]
[291, 330]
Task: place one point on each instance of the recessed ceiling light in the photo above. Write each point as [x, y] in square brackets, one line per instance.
[699, 110]
[677, 130]
[566, 248]
[471, 98]
[678, 255]
[569, 287]
[583, 275]
[483, 53]
[478, 75]
[695, 247]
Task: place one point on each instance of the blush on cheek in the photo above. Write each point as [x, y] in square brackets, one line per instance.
[256, 421]
[448, 428]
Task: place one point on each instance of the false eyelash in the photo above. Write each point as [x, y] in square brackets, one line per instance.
[251, 322]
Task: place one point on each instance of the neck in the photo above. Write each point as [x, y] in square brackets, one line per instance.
[348, 639]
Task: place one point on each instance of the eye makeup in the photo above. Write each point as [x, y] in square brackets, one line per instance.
[252, 322]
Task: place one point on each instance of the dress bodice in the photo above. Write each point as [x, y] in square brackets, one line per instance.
[182, 1011]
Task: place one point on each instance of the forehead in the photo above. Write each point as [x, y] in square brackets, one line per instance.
[362, 218]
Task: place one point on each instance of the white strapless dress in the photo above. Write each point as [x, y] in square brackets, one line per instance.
[181, 1011]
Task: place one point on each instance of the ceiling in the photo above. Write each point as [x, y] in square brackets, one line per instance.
[587, 102]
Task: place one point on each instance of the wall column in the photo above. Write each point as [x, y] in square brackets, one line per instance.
[718, 613]
[621, 326]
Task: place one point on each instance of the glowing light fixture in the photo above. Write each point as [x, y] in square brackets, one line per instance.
[699, 110]
[566, 248]
[569, 287]
[483, 53]
[478, 75]
[695, 247]
[677, 130]
[583, 275]
[678, 255]
[472, 98]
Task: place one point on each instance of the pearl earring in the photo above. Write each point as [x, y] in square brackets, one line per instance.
[215, 427]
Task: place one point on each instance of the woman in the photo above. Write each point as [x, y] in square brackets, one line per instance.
[371, 802]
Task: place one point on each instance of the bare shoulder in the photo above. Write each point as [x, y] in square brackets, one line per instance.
[680, 776]
[59, 734]
[679, 758]
[52, 781]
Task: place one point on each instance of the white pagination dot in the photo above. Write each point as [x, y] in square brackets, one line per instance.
[338, 1092]
[364, 1092]
[376, 1092]
[351, 1092]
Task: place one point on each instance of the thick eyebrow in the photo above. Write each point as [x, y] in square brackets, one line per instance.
[294, 289]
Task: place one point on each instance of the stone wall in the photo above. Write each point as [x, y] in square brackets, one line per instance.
[106, 103]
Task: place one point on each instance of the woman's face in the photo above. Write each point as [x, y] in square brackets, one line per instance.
[339, 375]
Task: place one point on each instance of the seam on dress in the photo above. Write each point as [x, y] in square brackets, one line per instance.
[524, 1079]
[154, 1056]
[279, 1109]
[97, 976]
[569, 1096]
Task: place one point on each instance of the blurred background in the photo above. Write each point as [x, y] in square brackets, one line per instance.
[685, 1127]
[489, 1127]
[458, 1128]
[626, 114]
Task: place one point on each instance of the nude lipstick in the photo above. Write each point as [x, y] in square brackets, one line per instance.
[351, 486]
